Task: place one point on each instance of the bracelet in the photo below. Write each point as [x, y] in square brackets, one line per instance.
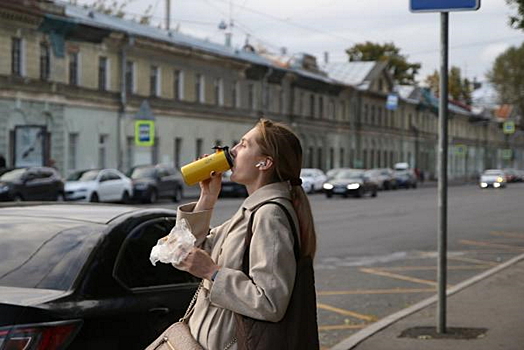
[214, 275]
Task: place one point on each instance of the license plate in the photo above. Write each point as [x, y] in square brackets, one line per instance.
[339, 190]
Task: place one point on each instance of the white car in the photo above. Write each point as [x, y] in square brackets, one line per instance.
[492, 178]
[98, 185]
[312, 179]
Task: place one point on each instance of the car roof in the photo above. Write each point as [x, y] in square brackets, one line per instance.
[79, 212]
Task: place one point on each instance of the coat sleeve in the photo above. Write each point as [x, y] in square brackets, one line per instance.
[199, 222]
[265, 293]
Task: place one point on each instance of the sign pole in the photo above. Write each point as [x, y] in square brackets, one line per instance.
[443, 174]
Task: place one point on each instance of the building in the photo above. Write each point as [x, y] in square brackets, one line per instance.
[82, 89]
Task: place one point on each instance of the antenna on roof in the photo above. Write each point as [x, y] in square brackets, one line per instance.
[168, 14]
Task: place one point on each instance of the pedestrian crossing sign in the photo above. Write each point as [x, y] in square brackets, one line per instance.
[144, 132]
[509, 127]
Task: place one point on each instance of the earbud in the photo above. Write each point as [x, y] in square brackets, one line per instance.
[261, 163]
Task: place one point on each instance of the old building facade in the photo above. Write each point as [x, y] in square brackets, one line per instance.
[74, 83]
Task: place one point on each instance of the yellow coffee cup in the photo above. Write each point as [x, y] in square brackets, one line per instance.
[201, 169]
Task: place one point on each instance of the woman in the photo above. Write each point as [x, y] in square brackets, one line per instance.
[267, 161]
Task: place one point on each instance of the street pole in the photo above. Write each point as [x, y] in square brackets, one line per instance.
[168, 14]
[443, 174]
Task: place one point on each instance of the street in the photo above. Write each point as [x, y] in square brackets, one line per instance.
[378, 255]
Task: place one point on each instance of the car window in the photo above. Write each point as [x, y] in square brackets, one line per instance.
[134, 269]
[112, 176]
[12, 175]
[89, 175]
[139, 173]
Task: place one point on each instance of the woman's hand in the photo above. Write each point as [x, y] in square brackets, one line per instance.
[209, 191]
[199, 264]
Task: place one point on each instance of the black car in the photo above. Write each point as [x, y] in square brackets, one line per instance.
[78, 276]
[32, 183]
[406, 178]
[151, 182]
[230, 188]
[348, 182]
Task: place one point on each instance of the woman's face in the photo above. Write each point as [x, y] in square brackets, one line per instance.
[246, 155]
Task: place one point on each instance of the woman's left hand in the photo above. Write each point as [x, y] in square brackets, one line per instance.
[199, 264]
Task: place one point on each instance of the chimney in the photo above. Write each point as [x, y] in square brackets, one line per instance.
[283, 50]
[326, 57]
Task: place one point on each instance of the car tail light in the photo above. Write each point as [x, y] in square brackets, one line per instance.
[40, 336]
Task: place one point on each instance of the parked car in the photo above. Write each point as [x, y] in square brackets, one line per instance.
[493, 178]
[151, 182]
[314, 176]
[353, 182]
[307, 185]
[405, 178]
[82, 276]
[98, 185]
[231, 188]
[512, 175]
[32, 183]
[384, 177]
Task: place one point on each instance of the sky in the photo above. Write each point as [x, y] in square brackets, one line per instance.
[476, 38]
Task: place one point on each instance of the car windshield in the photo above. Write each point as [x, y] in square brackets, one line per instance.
[44, 253]
[85, 175]
[139, 173]
[307, 173]
[348, 174]
[493, 172]
[12, 175]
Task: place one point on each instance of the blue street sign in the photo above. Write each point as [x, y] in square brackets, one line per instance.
[392, 102]
[443, 5]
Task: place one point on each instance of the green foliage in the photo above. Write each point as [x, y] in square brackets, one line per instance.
[116, 8]
[507, 76]
[403, 71]
[516, 21]
[459, 89]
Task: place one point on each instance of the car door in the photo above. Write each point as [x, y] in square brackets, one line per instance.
[48, 184]
[34, 185]
[108, 186]
[161, 293]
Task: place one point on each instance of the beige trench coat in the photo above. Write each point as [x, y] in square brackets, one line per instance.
[272, 266]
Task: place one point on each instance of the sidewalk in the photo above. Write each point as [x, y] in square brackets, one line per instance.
[493, 301]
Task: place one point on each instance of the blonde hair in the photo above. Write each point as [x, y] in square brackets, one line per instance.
[279, 142]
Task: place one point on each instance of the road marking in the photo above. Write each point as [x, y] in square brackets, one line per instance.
[508, 234]
[342, 326]
[425, 268]
[471, 260]
[378, 291]
[493, 245]
[368, 318]
[400, 277]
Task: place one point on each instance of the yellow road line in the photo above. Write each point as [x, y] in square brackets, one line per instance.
[368, 318]
[471, 260]
[341, 326]
[397, 276]
[424, 268]
[378, 291]
[493, 245]
[507, 234]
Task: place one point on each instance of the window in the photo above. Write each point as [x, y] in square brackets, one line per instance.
[321, 106]
[372, 114]
[178, 85]
[331, 158]
[177, 150]
[130, 77]
[235, 99]
[300, 103]
[102, 73]
[155, 150]
[341, 157]
[73, 150]
[130, 151]
[102, 144]
[312, 105]
[199, 88]
[332, 111]
[45, 61]
[266, 97]
[154, 81]
[199, 143]
[251, 96]
[73, 68]
[16, 57]
[219, 95]
[281, 100]
[366, 109]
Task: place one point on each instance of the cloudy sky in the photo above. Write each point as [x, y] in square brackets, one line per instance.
[318, 26]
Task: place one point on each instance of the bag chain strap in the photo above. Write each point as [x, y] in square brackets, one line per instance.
[191, 306]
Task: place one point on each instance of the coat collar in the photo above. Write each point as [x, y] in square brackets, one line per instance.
[267, 193]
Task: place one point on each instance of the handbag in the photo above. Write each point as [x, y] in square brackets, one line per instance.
[178, 336]
[298, 329]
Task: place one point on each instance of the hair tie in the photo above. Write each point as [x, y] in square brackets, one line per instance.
[296, 181]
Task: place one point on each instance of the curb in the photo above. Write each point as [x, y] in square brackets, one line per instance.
[367, 332]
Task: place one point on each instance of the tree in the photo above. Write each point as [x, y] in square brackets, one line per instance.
[507, 76]
[403, 71]
[459, 89]
[517, 21]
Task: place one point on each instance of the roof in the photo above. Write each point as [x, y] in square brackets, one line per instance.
[349, 73]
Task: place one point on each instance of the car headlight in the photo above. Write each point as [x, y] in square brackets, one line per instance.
[496, 184]
[499, 179]
[327, 186]
[4, 188]
[483, 185]
[353, 186]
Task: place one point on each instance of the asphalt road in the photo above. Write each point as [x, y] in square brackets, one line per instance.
[379, 255]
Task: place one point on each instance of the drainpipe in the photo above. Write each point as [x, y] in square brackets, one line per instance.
[265, 102]
[123, 100]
